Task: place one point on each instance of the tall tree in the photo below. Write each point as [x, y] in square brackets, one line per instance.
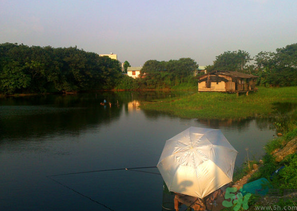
[164, 74]
[126, 65]
[286, 58]
[265, 61]
[43, 69]
[13, 78]
[231, 61]
[279, 68]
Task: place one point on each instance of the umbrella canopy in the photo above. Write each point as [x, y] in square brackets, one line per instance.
[197, 162]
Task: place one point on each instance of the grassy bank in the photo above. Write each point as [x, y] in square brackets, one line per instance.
[223, 105]
[279, 168]
[261, 103]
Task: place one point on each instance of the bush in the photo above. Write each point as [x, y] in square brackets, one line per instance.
[290, 135]
[288, 175]
[126, 82]
[274, 144]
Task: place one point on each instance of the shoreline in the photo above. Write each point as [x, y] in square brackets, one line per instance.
[92, 91]
[214, 105]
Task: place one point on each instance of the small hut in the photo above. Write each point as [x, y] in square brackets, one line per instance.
[227, 81]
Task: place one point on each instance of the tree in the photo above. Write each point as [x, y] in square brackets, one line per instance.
[150, 72]
[162, 74]
[231, 61]
[13, 78]
[126, 65]
[42, 69]
[286, 58]
[265, 61]
[279, 68]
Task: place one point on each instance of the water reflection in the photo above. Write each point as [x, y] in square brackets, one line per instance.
[134, 105]
[37, 116]
[239, 124]
[52, 134]
[58, 114]
[43, 116]
[283, 115]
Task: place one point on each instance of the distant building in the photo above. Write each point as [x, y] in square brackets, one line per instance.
[201, 69]
[227, 81]
[133, 71]
[111, 55]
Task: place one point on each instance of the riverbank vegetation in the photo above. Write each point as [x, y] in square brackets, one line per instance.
[215, 105]
[27, 70]
[275, 69]
[168, 74]
[278, 166]
[160, 75]
[36, 69]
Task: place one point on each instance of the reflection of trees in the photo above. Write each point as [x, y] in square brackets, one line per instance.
[148, 95]
[283, 116]
[55, 114]
[150, 114]
[264, 123]
[40, 116]
[239, 124]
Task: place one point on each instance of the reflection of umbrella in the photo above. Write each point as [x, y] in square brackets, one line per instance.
[197, 162]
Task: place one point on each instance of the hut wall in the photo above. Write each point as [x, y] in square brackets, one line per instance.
[220, 87]
[226, 83]
[252, 84]
[230, 86]
[214, 87]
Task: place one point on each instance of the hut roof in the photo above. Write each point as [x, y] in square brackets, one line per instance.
[233, 74]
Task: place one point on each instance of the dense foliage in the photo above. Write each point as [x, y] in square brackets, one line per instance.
[36, 69]
[279, 68]
[273, 68]
[231, 61]
[282, 175]
[127, 83]
[126, 65]
[167, 74]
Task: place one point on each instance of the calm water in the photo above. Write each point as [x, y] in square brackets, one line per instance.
[50, 135]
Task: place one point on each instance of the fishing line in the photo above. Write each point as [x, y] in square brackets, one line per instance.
[137, 169]
[148, 172]
[93, 200]
[102, 170]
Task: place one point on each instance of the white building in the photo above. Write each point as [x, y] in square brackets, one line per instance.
[111, 55]
[133, 71]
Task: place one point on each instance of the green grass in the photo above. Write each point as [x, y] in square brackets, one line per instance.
[258, 104]
[185, 86]
[216, 105]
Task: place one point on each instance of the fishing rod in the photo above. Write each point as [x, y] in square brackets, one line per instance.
[136, 169]
[113, 169]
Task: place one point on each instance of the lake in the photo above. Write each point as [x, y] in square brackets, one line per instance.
[70, 152]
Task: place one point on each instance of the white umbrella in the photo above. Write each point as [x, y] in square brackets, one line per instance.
[197, 162]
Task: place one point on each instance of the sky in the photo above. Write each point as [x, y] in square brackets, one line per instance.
[141, 30]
